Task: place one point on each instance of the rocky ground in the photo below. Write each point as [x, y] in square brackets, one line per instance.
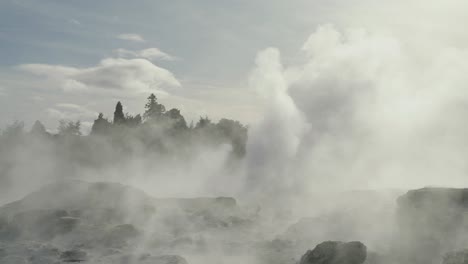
[81, 222]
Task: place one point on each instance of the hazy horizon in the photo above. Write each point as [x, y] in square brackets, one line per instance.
[304, 124]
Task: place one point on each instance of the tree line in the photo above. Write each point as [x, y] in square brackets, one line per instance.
[157, 129]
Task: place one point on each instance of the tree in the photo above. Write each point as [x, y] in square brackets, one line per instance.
[14, 130]
[153, 109]
[132, 121]
[101, 125]
[69, 128]
[203, 123]
[38, 129]
[236, 133]
[119, 117]
[178, 120]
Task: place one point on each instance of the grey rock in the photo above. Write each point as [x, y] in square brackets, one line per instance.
[431, 221]
[456, 257]
[335, 252]
[73, 256]
[148, 259]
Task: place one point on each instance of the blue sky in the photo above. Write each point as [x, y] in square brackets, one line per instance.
[211, 46]
[209, 35]
[214, 43]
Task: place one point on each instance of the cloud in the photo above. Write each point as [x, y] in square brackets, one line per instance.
[69, 111]
[375, 116]
[150, 54]
[127, 75]
[74, 22]
[131, 37]
[155, 53]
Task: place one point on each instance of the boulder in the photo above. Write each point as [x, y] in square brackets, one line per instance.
[148, 259]
[456, 257]
[42, 224]
[120, 235]
[14, 260]
[431, 221]
[335, 252]
[165, 259]
[74, 256]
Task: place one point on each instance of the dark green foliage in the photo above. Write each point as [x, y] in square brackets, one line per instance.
[38, 129]
[160, 134]
[153, 109]
[204, 122]
[69, 128]
[14, 130]
[176, 119]
[119, 117]
[101, 125]
[132, 121]
[235, 132]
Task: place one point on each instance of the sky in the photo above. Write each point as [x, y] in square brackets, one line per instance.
[74, 59]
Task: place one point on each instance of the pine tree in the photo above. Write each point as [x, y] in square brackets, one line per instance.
[101, 125]
[132, 121]
[178, 120]
[119, 117]
[153, 109]
[38, 129]
[203, 122]
[69, 128]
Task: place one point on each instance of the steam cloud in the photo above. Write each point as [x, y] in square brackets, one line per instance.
[356, 110]
[359, 111]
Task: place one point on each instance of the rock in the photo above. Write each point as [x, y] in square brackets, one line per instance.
[165, 259]
[277, 251]
[43, 224]
[73, 256]
[14, 260]
[96, 217]
[87, 198]
[335, 252]
[8, 232]
[118, 236]
[456, 257]
[347, 216]
[148, 259]
[431, 221]
[66, 224]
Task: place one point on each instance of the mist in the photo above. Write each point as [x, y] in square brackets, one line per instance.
[341, 143]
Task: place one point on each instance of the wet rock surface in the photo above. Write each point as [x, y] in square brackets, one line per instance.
[456, 257]
[75, 221]
[335, 252]
[431, 221]
[108, 223]
[73, 256]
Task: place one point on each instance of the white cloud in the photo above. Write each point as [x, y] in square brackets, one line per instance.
[74, 22]
[131, 37]
[126, 75]
[155, 53]
[378, 116]
[68, 111]
[150, 54]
